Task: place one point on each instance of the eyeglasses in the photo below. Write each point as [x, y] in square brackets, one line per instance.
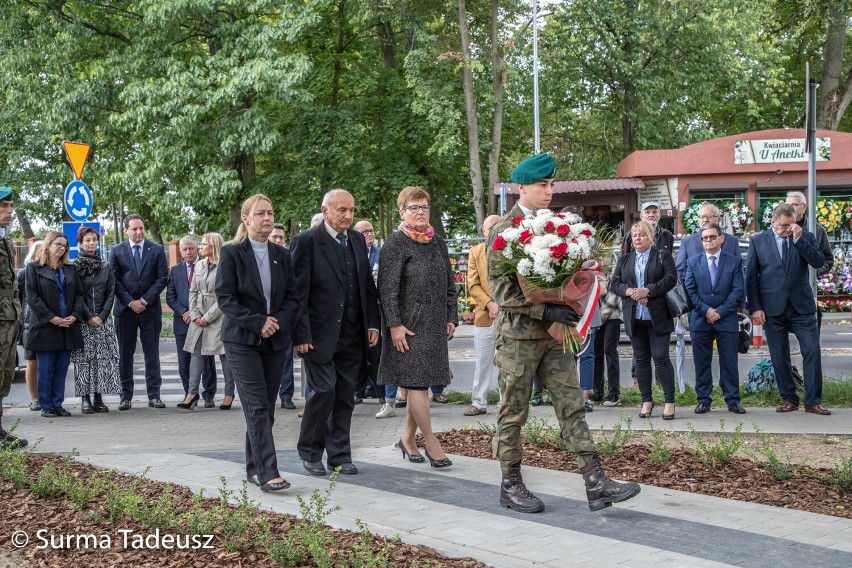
[709, 238]
[416, 208]
[783, 227]
[59, 245]
[709, 216]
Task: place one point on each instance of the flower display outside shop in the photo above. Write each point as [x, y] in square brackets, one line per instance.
[831, 214]
[741, 217]
[834, 306]
[839, 279]
[459, 251]
[690, 218]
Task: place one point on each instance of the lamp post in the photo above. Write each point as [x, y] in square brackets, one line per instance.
[535, 78]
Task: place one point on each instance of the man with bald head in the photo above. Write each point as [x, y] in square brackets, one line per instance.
[484, 322]
[337, 324]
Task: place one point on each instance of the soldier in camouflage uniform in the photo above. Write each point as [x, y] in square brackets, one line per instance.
[10, 311]
[525, 349]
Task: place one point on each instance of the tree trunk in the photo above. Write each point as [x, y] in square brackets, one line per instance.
[24, 223]
[498, 76]
[834, 96]
[152, 225]
[470, 108]
[325, 176]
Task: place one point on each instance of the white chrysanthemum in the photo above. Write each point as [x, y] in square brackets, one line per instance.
[571, 218]
[544, 213]
[511, 234]
[578, 228]
[525, 267]
[507, 252]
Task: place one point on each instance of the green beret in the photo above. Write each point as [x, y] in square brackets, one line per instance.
[533, 169]
[6, 194]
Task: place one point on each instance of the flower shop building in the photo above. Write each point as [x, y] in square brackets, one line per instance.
[746, 174]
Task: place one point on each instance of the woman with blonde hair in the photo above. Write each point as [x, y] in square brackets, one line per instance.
[256, 291]
[96, 366]
[203, 338]
[32, 367]
[417, 289]
[642, 279]
[55, 298]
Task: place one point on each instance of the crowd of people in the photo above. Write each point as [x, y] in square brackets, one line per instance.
[368, 319]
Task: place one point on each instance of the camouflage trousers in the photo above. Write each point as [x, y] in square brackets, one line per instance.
[8, 348]
[519, 360]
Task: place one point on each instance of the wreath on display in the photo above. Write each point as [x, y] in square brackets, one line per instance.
[834, 215]
[741, 217]
[690, 218]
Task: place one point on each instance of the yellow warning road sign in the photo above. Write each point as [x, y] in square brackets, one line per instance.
[77, 154]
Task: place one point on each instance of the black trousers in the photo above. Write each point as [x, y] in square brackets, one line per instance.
[148, 325]
[368, 378]
[804, 327]
[647, 345]
[208, 377]
[606, 346]
[328, 412]
[257, 375]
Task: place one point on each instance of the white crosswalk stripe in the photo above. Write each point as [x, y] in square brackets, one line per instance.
[171, 389]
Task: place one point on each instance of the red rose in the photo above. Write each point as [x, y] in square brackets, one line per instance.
[517, 220]
[563, 230]
[549, 227]
[559, 250]
[499, 243]
[586, 233]
[525, 237]
[574, 240]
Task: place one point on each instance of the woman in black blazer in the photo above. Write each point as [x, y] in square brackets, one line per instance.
[55, 298]
[642, 279]
[256, 291]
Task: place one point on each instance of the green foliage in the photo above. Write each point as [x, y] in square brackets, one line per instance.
[842, 477]
[362, 554]
[241, 525]
[159, 514]
[487, 427]
[659, 453]
[536, 429]
[13, 466]
[720, 453]
[123, 500]
[613, 444]
[50, 480]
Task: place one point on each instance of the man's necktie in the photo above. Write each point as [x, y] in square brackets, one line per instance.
[342, 238]
[137, 257]
[714, 271]
[191, 272]
[785, 251]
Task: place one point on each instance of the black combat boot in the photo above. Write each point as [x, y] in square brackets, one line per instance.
[515, 495]
[8, 440]
[86, 407]
[99, 403]
[602, 491]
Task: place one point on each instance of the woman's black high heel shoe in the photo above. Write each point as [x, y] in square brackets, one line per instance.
[438, 463]
[647, 414]
[189, 405]
[668, 416]
[413, 458]
[224, 406]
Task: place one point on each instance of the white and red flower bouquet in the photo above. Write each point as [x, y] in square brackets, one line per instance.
[557, 258]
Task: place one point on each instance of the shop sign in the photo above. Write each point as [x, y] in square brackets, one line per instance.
[662, 191]
[777, 151]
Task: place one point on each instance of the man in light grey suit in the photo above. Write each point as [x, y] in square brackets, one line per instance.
[781, 299]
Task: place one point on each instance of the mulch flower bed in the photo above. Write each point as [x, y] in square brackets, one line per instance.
[24, 510]
[741, 479]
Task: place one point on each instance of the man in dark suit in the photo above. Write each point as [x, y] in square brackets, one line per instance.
[177, 297]
[141, 273]
[714, 282]
[288, 378]
[781, 299]
[691, 245]
[368, 380]
[339, 322]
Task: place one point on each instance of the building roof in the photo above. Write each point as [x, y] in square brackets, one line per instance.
[583, 185]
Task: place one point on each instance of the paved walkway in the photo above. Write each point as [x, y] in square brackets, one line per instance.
[456, 511]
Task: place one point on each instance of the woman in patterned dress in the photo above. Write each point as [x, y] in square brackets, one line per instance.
[96, 370]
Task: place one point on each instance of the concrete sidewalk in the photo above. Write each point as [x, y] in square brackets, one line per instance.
[456, 510]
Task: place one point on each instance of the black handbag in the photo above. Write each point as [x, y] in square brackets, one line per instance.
[678, 300]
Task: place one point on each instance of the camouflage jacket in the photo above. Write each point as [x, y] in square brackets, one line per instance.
[517, 319]
[10, 305]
